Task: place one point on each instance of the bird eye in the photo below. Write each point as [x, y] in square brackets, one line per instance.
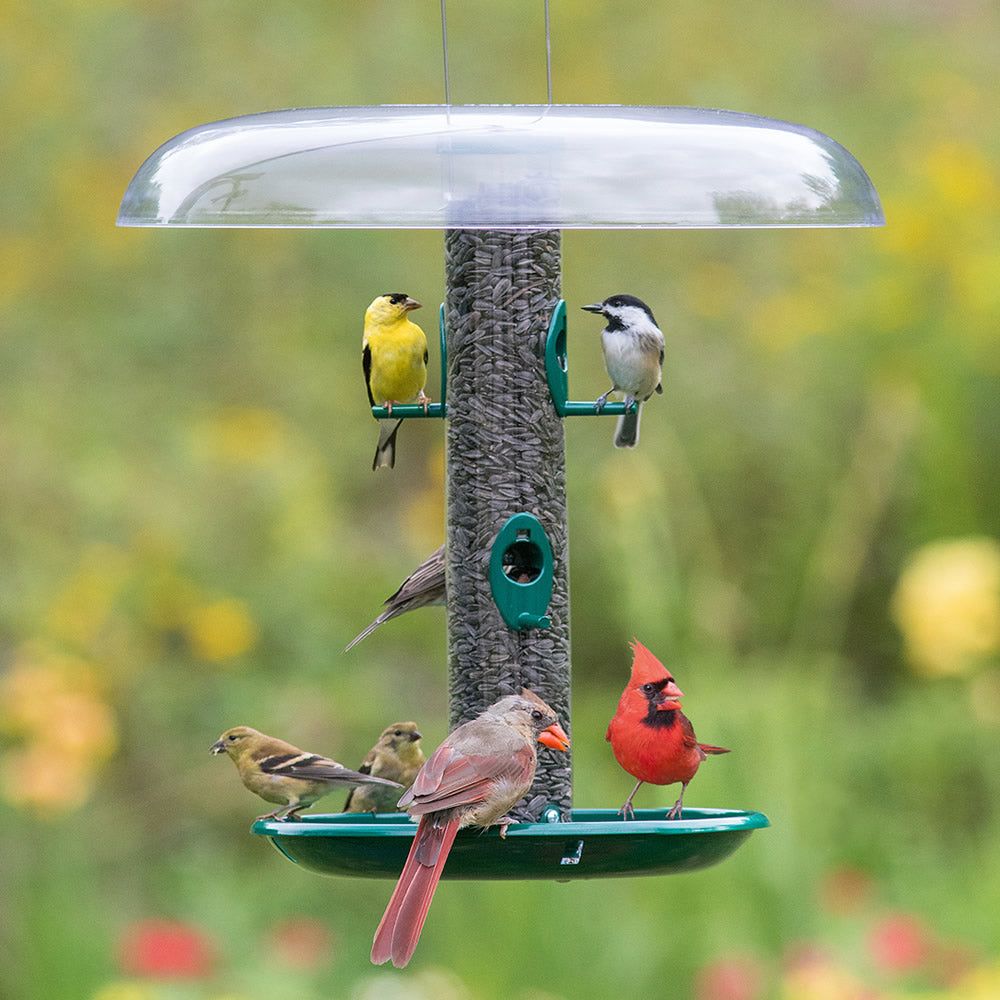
[535, 714]
[233, 737]
[398, 732]
[648, 688]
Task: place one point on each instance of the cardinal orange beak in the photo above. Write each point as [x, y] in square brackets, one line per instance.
[554, 737]
[667, 705]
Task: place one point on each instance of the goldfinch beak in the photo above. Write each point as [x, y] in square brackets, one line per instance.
[218, 747]
[411, 304]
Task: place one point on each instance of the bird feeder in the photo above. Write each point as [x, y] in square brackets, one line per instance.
[501, 182]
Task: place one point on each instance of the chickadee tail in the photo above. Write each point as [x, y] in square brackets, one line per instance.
[627, 431]
[385, 452]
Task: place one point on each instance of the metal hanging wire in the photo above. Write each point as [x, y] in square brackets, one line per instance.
[444, 48]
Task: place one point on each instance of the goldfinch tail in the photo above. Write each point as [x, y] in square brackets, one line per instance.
[385, 453]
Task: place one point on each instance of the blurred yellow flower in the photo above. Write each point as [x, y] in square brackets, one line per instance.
[961, 175]
[243, 434]
[45, 780]
[982, 983]
[126, 989]
[83, 605]
[221, 630]
[816, 977]
[52, 704]
[947, 605]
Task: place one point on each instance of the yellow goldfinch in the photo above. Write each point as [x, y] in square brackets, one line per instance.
[394, 358]
[424, 587]
[282, 773]
[397, 756]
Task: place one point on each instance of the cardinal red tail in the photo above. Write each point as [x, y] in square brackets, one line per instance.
[708, 748]
[401, 924]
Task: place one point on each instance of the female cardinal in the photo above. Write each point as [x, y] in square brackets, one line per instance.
[650, 735]
[472, 779]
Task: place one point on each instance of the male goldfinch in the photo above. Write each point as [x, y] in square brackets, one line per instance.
[394, 358]
[282, 773]
[633, 355]
[397, 756]
[424, 587]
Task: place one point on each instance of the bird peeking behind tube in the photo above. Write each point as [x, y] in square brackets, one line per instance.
[633, 356]
[397, 756]
[282, 773]
[650, 736]
[479, 772]
[394, 359]
[423, 588]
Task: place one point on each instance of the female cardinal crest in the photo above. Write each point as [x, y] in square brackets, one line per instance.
[650, 736]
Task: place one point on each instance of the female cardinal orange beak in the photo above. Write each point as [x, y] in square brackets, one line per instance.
[554, 737]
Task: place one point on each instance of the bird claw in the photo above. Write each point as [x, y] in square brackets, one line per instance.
[630, 404]
[424, 401]
[600, 402]
[627, 812]
[503, 823]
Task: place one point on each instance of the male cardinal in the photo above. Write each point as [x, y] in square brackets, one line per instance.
[480, 770]
[397, 756]
[651, 737]
[282, 773]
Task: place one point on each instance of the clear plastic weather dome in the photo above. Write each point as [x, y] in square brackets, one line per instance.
[511, 167]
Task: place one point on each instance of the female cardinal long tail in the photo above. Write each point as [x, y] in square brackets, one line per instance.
[404, 917]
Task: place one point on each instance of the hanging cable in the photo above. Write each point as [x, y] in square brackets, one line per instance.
[444, 46]
[548, 50]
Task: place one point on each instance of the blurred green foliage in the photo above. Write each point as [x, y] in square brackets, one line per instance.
[190, 532]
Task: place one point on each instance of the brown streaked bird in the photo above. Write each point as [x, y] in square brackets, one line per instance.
[423, 588]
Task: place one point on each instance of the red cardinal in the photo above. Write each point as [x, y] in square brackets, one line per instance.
[472, 779]
[651, 737]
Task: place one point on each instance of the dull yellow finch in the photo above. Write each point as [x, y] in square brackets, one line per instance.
[282, 773]
[397, 756]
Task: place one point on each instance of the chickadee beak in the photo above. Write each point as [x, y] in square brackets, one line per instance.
[554, 737]
[595, 308]
[411, 304]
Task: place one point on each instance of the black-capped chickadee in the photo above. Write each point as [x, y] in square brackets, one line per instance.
[633, 355]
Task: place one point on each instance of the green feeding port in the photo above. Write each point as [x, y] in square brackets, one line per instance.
[521, 573]
[594, 843]
[557, 373]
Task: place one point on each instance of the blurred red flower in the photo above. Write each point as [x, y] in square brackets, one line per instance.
[302, 942]
[899, 942]
[733, 978]
[845, 890]
[165, 949]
